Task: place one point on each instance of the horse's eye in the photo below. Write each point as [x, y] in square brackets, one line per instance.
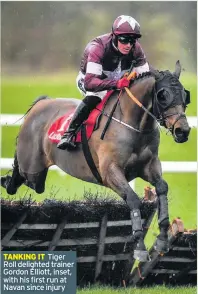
[163, 95]
[160, 94]
[166, 95]
[164, 98]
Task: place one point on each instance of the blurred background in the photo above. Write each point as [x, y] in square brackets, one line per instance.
[41, 48]
[51, 36]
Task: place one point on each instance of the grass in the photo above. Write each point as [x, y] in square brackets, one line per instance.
[156, 290]
[65, 187]
[19, 92]
[189, 81]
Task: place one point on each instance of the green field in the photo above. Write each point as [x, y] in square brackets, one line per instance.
[156, 290]
[17, 95]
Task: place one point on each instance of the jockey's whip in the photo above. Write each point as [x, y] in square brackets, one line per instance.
[115, 105]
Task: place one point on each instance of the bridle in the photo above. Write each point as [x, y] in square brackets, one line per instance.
[163, 119]
[162, 114]
[160, 117]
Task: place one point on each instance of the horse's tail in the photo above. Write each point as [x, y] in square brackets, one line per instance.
[35, 101]
[15, 164]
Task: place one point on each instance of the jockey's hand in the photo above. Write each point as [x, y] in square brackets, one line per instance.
[123, 82]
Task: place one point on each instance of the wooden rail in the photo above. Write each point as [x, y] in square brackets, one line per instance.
[178, 266]
[100, 233]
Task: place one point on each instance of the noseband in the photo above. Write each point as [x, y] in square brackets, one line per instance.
[179, 116]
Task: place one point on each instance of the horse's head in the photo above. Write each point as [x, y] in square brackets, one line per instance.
[170, 103]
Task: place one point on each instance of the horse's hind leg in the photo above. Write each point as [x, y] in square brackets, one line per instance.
[115, 179]
[12, 183]
[37, 181]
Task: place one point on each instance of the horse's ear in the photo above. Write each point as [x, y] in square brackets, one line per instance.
[177, 71]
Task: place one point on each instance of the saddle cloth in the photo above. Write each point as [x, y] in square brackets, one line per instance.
[58, 127]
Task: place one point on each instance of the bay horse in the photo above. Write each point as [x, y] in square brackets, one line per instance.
[128, 151]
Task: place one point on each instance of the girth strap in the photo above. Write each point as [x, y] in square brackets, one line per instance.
[88, 156]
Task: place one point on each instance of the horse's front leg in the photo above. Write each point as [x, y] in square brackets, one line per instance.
[114, 178]
[153, 174]
[162, 244]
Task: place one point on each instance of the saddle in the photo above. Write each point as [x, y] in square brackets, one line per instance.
[61, 125]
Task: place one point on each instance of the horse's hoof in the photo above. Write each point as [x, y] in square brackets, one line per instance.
[161, 246]
[141, 255]
[3, 181]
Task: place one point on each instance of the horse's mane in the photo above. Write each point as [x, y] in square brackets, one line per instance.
[140, 77]
[156, 74]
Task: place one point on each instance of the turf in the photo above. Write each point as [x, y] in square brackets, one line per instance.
[156, 290]
[19, 92]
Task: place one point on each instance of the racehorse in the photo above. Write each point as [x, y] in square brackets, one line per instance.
[128, 150]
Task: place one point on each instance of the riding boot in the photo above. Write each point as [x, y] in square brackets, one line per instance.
[80, 115]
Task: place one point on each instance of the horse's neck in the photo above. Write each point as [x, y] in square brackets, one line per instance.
[133, 114]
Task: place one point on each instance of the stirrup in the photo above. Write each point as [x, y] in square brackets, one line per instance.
[66, 142]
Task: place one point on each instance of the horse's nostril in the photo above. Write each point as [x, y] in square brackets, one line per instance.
[178, 132]
[182, 132]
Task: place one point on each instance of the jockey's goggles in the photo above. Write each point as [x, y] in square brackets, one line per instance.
[126, 39]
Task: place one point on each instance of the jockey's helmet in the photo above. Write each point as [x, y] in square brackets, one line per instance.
[125, 24]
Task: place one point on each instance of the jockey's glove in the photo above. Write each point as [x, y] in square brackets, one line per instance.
[123, 82]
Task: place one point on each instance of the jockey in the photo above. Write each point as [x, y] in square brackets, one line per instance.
[105, 60]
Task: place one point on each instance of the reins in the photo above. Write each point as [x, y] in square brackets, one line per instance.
[139, 103]
[130, 75]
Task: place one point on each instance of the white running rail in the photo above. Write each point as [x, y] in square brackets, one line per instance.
[15, 120]
[167, 166]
